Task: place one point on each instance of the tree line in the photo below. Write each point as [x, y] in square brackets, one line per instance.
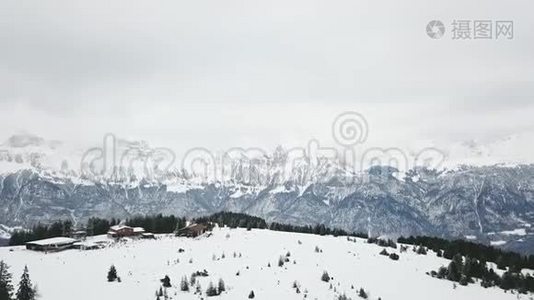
[319, 229]
[96, 226]
[234, 220]
[152, 223]
[41, 231]
[448, 249]
[169, 223]
[469, 261]
[464, 271]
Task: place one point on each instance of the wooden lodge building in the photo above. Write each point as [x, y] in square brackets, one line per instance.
[119, 231]
[51, 244]
[194, 230]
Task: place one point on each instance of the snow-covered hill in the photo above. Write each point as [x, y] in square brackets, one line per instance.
[76, 274]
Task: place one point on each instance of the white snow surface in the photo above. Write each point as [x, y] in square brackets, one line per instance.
[497, 243]
[54, 240]
[518, 231]
[142, 263]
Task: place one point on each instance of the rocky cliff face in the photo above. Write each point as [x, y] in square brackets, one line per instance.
[491, 204]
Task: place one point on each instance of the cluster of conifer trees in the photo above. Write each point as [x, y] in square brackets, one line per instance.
[234, 220]
[319, 229]
[469, 262]
[26, 290]
[157, 223]
[465, 270]
[40, 231]
[503, 259]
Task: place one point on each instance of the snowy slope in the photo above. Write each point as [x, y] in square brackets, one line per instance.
[81, 275]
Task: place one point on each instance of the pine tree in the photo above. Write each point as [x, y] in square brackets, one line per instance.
[166, 281]
[421, 250]
[6, 287]
[211, 290]
[184, 285]
[26, 290]
[280, 261]
[455, 268]
[221, 286]
[193, 279]
[394, 256]
[500, 263]
[112, 274]
[251, 295]
[362, 294]
[325, 277]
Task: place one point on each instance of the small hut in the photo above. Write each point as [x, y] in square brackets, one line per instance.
[118, 231]
[193, 230]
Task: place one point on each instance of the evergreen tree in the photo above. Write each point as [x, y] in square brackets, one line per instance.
[211, 290]
[421, 250]
[325, 277]
[112, 274]
[193, 279]
[394, 256]
[251, 295]
[184, 285]
[166, 281]
[362, 293]
[507, 281]
[455, 268]
[280, 261]
[221, 286]
[500, 263]
[6, 287]
[26, 290]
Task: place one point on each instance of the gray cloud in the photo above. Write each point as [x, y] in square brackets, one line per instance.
[222, 73]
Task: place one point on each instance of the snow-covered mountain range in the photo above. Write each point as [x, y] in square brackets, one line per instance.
[42, 181]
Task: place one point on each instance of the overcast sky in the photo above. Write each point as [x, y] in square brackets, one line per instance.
[230, 73]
